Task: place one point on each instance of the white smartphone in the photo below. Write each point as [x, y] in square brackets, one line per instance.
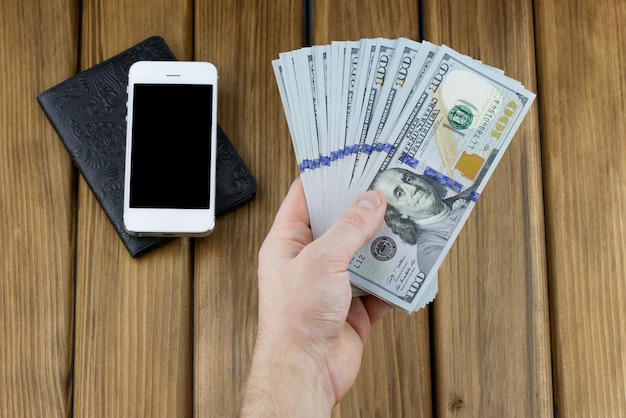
[169, 186]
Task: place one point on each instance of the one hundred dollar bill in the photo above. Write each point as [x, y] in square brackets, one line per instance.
[438, 158]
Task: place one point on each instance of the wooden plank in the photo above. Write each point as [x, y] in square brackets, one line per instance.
[581, 63]
[491, 328]
[395, 377]
[354, 20]
[241, 39]
[37, 50]
[133, 317]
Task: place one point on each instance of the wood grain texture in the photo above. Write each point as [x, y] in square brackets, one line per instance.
[581, 63]
[354, 20]
[240, 38]
[133, 317]
[490, 319]
[38, 47]
[395, 377]
[134, 345]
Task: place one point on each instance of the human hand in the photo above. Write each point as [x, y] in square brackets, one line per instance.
[311, 331]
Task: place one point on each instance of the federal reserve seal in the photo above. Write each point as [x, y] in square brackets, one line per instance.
[460, 117]
[384, 248]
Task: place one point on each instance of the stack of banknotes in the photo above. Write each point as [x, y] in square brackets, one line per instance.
[423, 124]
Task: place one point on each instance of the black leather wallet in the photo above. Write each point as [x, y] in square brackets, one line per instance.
[88, 112]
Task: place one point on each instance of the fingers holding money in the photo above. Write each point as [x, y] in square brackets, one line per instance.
[353, 229]
[433, 121]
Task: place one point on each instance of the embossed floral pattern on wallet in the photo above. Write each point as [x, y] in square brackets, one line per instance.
[88, 111]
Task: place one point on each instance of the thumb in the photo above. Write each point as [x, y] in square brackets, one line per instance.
[353, 229]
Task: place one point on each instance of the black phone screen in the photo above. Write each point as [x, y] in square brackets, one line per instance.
[171, 146]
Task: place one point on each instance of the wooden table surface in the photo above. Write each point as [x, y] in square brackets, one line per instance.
[530, 318]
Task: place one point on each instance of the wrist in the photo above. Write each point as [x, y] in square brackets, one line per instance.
[286, 381]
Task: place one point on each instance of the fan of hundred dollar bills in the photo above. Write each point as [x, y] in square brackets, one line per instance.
[422, 124]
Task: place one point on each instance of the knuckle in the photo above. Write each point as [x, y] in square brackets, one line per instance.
[353, 220]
